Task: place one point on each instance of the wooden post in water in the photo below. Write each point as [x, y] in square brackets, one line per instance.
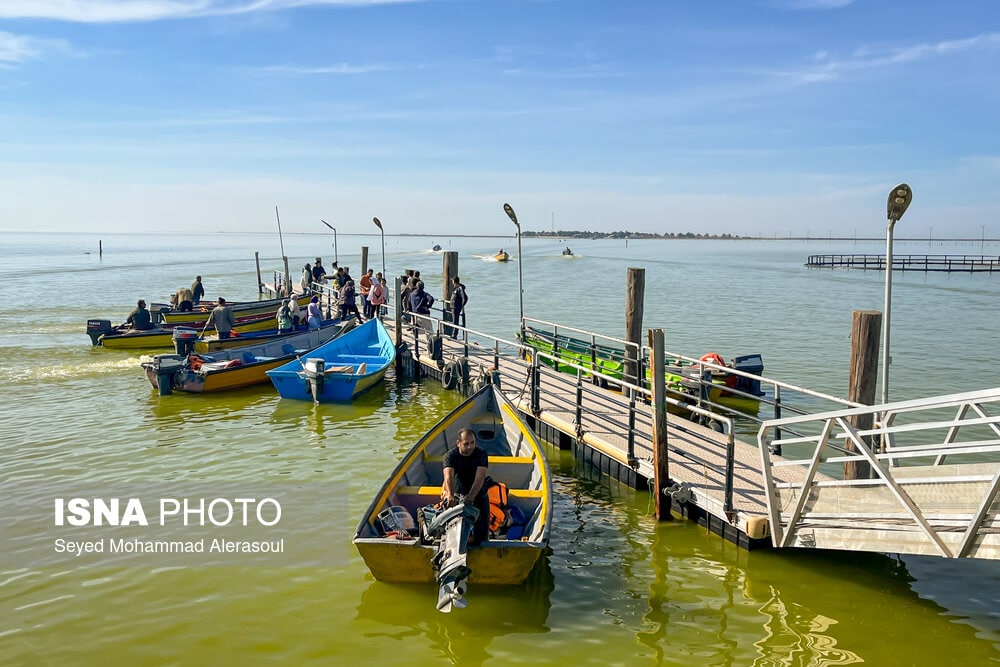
[100, 248]
[635, 288]
[260, 282]
[661, 467]
[288, 280]
[449, 270]
[866, 328]
[364, 263]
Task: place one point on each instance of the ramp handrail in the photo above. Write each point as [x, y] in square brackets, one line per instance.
[904, 482]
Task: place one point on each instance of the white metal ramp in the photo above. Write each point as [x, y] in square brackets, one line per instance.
[932, 487]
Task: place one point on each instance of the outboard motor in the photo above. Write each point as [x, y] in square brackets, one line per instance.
[315, 371]
[97, 328]
[166, 367]
[452, 527]
[184, 340]
[751, 363]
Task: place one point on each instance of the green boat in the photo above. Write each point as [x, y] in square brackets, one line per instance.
[728, 389]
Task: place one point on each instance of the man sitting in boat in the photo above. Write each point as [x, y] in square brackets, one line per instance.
[465, 469]
[139, 318]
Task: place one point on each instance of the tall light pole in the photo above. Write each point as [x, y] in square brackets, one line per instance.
[520, 276]
[378, 224]
[899, 200]
[335, 258]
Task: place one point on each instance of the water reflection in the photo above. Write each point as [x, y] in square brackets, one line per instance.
[466, 636]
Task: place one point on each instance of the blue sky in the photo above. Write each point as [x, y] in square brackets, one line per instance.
[715, 116]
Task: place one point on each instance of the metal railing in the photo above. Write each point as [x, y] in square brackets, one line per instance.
[926, 263]
[941, 499]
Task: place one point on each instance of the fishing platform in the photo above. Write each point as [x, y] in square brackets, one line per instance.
[925, 263]
[800, 469]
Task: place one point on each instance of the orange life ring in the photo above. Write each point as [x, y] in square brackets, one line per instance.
[714, 358]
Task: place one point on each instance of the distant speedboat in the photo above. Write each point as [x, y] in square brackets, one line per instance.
[501, 256]
[436, 248]
[567, 251]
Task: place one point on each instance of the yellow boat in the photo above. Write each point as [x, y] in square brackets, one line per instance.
[163, 336]
[234, 368]
[515, 458]
[501, 256]
[239, 308]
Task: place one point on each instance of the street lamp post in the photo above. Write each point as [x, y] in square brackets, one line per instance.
[520, 277]
[899, 200]
[378, 223]
[336, 259]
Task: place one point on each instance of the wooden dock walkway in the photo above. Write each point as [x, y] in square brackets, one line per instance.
[925, 263]
[932, 479]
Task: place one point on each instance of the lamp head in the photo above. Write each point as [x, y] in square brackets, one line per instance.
[510, 214]
[899, 201]
[378, 223]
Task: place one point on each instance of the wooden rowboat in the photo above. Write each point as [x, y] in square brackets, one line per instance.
[515, 458]
[239, 308]
[122, 338]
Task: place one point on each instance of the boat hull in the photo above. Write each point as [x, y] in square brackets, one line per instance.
[154, 338]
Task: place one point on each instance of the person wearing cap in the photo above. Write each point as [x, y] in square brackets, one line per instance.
[314, 314]
[139, 318]
[319, 273]
[223, 319]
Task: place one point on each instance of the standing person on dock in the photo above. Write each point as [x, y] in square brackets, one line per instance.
[349, 301]
[459, 297]
[223, 319]
[306, 281]
[376, 298]
[405, 289]
[366, 288]
[197, 291]
[420, 303]
[139, 318]
[465, 469]
[319, 273]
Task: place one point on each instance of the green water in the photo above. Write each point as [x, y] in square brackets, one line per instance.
[617, 588]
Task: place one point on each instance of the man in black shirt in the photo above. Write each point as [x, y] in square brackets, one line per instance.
[465, 470]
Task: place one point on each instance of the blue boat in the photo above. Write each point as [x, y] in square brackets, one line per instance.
[338, 370]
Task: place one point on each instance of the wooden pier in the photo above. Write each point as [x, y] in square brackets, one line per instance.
[925, 263]
[930, 482]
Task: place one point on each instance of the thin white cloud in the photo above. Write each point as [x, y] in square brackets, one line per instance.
[119, 11]
[20, 49]
[342, 68]
[815, 4]
[865, 58]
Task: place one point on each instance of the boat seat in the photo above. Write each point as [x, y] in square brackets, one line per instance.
[436, 491]
[248, 358]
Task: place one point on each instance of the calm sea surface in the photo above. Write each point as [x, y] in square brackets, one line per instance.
[617, 589]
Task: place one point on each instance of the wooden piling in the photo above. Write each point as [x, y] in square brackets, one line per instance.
[449, 269]
[661, 468]
[398, 321]
[288, 278]
[635, 288]
[866, 328]
[260, 281]
[364, 261]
